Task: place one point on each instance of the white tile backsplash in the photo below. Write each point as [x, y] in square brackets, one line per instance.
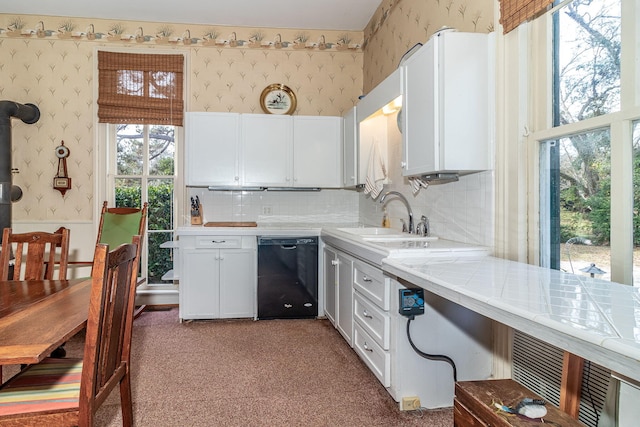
[321, 207]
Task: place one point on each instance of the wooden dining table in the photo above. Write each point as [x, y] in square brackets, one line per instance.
[38, 316]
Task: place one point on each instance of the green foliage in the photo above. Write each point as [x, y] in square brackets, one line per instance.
[574, 224]
[600, 214]
[160, 217]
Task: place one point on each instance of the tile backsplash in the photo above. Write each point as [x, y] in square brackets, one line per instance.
[310, 207]
[462, 211]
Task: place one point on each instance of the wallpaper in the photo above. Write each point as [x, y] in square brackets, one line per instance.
[49, 61]
[398, 25]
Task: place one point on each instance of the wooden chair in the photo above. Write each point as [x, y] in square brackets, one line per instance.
[68, 392]
[35, 254]
[117, 226]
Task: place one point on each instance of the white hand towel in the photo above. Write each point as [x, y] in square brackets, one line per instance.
[376, 173]
[417, 183]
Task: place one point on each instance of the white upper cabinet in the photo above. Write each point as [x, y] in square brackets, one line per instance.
[262, 150]
[350, 149]
[267, 147]
[317, 151]
[212, 149]
[446, 109]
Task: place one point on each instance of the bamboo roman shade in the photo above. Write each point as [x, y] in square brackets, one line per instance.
[515, 12]
[140, 88]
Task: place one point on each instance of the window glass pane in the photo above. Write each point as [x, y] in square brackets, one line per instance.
[636, 203]
[128, 192]
[160, 204]
[160, 259]
[161, 150]
[587, 60]
[577, 203]
[130, 143]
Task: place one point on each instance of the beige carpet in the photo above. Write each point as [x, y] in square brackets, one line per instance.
[246, 373]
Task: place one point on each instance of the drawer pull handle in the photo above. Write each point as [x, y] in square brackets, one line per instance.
[366, 314]
[366, 347]
[366, 279]
[218, 241]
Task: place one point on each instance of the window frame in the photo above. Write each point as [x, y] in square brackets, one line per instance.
[105, 150]
[537, 49]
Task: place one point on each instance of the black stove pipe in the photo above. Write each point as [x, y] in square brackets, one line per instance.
[29, 114]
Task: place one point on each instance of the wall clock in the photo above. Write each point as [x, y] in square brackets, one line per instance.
[278, 99]
[61, 181]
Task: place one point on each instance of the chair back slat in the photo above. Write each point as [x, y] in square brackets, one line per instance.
[35, 254]
[109, 324]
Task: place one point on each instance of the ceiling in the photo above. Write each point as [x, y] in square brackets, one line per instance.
[349, 15]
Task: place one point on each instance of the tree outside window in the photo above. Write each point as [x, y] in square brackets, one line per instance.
[587, 46]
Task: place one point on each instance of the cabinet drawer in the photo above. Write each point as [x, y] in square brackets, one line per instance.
[370, 282]
[219, 242]
[372, 319]
[378, 360]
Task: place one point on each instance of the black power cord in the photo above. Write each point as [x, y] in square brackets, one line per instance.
[439, 357]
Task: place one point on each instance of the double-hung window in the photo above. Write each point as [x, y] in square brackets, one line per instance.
[141, 101]
[588, 136]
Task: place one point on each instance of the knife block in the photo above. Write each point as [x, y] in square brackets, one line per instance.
[197, 219]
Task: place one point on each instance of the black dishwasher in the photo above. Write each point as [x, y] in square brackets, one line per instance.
[287, 277]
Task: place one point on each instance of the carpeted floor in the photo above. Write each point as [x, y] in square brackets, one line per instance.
[246, 373]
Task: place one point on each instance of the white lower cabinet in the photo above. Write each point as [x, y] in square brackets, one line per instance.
[219, 279]
[372, 319]
[338, 276]
[374, 356]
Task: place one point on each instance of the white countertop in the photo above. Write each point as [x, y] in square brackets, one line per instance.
[267, 229]
[375, 252]
[594, 319]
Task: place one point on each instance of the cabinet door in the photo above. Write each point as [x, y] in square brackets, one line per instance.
[317, 151]
[345, 297]
[212, 145]
[199, 284]
[267, 142]
[350, 149]
[446, 106]
[238, 273]
[330, 283]
[464, 107]
[419, 113]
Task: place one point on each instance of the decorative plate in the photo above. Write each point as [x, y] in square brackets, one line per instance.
[278, 99]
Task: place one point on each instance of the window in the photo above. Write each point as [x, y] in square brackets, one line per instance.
[140, 96]
[636, 203]
[143, 171]
[578, 192]
[586, 173]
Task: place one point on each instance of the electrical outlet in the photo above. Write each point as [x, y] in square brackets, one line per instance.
[411, 403]
[267, 210]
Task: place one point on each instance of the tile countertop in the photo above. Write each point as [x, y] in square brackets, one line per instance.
[594, 319]
[263, 229]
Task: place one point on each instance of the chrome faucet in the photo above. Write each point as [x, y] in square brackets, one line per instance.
[406, 203]
[422, 229]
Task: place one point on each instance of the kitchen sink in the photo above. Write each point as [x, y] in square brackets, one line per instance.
[399, 238]
[371, 231]
[381, 235]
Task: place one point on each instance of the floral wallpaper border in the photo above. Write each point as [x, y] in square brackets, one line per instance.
[166, 34]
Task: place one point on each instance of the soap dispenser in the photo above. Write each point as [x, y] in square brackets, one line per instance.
[385, 219]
